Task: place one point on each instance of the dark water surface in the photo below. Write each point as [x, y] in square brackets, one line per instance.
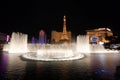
[92, 67]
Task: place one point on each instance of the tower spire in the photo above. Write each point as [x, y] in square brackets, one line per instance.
[64, 33]
[64, 24]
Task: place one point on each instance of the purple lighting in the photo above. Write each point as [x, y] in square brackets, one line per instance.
[7, 38]
[42, 37]
[34, 40]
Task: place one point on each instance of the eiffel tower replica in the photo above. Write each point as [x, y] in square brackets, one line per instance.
[64, 35]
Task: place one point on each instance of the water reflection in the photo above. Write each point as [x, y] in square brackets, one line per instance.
[31, 71]
[103, 66]
[3, 65]
[15, 67]
[92, 67]
[117, 73]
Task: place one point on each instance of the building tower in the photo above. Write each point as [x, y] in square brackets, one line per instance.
[64, 35]
[42, 37]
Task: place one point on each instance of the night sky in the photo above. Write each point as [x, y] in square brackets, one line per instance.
[31, 16]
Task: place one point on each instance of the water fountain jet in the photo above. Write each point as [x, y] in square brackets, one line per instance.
[53, 52]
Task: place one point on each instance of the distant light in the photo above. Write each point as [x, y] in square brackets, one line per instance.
[94, 39]
[108, 29]
[7, 38]
[96, 72]
[41, 33]
[8, 42]
[104, 29]
[101, 43]
[103, 70]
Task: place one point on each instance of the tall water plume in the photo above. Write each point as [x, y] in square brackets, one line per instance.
[18, 43]
[83, 44]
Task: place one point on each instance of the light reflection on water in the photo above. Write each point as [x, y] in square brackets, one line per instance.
[92, 67]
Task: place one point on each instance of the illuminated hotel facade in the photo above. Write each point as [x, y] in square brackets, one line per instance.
[61, 37]
[98, 35]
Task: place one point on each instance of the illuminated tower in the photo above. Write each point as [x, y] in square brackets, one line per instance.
[64, 35]
[61, 37]
[42, 37]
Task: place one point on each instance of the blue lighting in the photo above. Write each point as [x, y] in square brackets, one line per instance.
[96, 72]
[42, 37]
[94, 39]
[103, 71]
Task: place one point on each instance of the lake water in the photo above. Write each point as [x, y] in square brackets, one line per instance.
[97, 66]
